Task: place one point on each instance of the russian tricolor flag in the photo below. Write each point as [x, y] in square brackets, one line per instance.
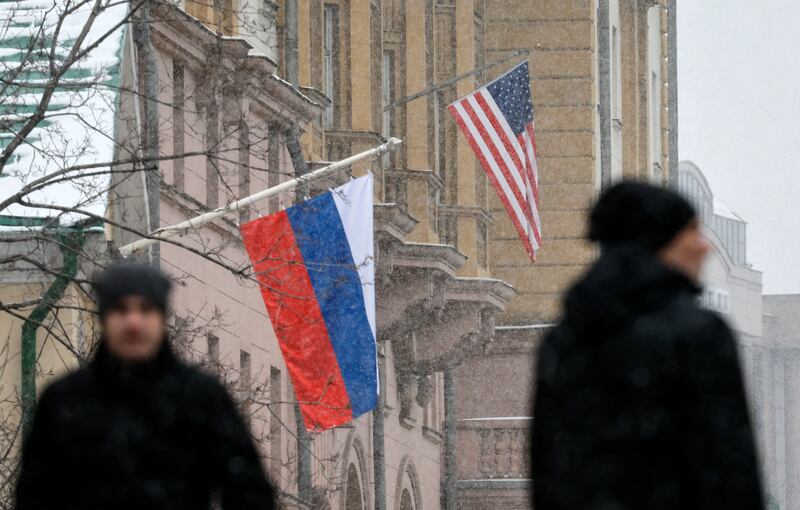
[314, 262]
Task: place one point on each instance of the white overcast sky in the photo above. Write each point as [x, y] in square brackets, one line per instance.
[739, 109]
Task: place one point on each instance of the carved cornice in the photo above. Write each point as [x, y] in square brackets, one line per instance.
[460, 210]
[433, 180]
[518, 339]
[393, 221]
[480, 290]
[350, 135]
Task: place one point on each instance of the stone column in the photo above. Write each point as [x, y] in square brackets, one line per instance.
[148, 66]
[449, 441]
[361, 65]
[465, 62]
[468, 211]
[378, 443]
[419, 133]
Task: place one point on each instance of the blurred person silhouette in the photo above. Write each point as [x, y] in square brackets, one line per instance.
[137, 428]
[639, 402]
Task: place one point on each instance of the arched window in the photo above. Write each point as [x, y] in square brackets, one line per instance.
[353, 499]
[407, 495]
[406, 503]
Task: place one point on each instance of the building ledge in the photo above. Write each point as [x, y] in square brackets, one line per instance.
[500, 483]
[391, 219]
[432, 435]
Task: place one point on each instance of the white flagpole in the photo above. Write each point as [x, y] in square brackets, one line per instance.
[185, 226]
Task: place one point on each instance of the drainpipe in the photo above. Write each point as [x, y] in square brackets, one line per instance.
[672, 91]
[70, 243]
[304, 479]
[449, 441]
[378, 454]
[150, 142]
[298, 162]
[604, 90]
[292, 71]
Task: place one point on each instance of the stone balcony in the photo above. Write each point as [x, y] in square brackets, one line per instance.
[493, 448]
[493, 463]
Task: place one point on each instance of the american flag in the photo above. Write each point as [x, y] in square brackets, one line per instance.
[498, 123]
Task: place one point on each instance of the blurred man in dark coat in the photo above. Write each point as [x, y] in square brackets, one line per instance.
[639, 402]
[138, 428]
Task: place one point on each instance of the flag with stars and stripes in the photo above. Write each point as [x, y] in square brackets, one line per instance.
[498, 123]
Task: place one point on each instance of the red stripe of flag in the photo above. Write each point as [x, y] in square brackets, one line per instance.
[297, 320]
[501, 133]
[490, 174]
[501, 164]
[534, 174]
[530, 177]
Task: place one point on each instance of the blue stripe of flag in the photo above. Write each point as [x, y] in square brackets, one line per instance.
[322, 240]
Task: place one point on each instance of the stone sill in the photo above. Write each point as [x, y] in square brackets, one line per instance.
[408, 423]
[432, 435]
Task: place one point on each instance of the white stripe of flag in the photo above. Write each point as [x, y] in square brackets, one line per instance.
[509, 161]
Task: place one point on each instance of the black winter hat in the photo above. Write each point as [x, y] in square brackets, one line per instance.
[634, 213]
[129, 278]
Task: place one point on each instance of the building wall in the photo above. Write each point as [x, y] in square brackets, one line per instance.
[382, 52]
[775, 376]
[54, 358]
[734, 291]
[562, 39]
[64, 339]
[222, 132]
[223, 315]
[766, 329]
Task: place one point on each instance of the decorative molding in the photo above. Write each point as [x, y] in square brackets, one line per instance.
[470, 211]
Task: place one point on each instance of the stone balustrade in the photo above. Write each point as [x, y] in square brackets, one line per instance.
[493, 448]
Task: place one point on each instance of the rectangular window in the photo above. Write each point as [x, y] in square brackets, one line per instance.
[440, 103]
[213, 352]
[435, 402]
[388, 93]
[245, 384]
[274, 163]
[178, 127]
[330, 55]
[376, 62]
[244, 169]
[616, 105]
[655, 119]
[275, 425]
[431, 409]
[654, 62]
[212, 163]
[482, 243]
[616, 75]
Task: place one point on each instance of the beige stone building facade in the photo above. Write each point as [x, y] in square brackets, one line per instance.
[254, 94]
[603, 86]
